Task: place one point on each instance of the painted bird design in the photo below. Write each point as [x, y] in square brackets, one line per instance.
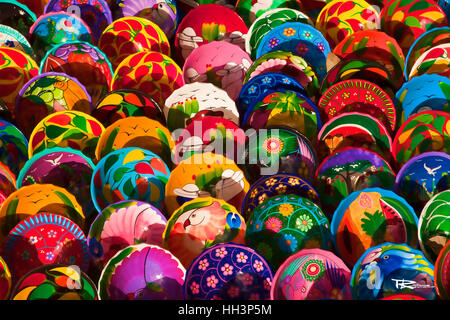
[431, 171]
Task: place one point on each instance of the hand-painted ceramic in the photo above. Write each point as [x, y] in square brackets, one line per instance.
[55, 282]
[269, 20]
[407, 20]
[33, 199]
[361, 69]
[412, 100]
[426, 41]
[279, 150]
[300, 39]
[45, 238]
[312, 274]
[74, 129]
[16, 16]
[142, 272]
[96, 13]
[433, 61]
[357, 130]
[389, 269]
[220, 63]
[122, 103]
[12, 38]
[63, 167]
[129, 174]
[129, 35]
[122, 224]
[434, 226]
[286, 63]
[369, 217]
[13, 147]
[255, 89]
[285, 108]
[376, 46]
[163, 13]
[215, 267]
[203, 175]
[140, 132]
[359, 96]
[16, 69]
[199, 224]
[244, 286]
[207, 23]
[425, 131]
[442, 274]
[8, 184]
[348, 170]
[275, 185]
[210, 134]
[284, 225]
[341, 18]
[151, 72]
[5, 280]
[83, 61]
[198, 99]
[53, 28]
[404, 296]
[250, 10]
[422, 177]
[36, 6]
[47, 93]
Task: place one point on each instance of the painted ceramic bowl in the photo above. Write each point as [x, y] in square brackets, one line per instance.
[73, 129]
[203, 175]
[389, 269]
[275, 185]
[211, 274]
[45, 238]
[278, 150]
[359, 96]
[220, 63]
[349, 170]
[254, 90]
[8, 182]
[370, 217]
[301, 39]
[357, 130]
[286, 63]
[129, 174]
[433, 61]
[48, 93]
[55, 282]
[434, 230]
[210, 134]
[150, 72]
[425, 131]
[17, 16]
[123, 103]
[142, 272]
[96, 13]
[312, 274]
[83, 61]
[5, 280]
[441, 273]
[140, 132]
[269, 20]
[34, 199]
[129, 35]
[251, 10]
[207, 23]
[53, 28]
[285, 224]
[13, 147]
[10, 37]
[407, 20]
[163, 13]
[16, 69]
[63, 167]
[123, 224]
[341, 18]
[199, 224]
[422, 177]
[412, 100]
[198, 99]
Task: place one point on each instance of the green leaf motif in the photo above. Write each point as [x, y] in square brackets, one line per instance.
[411, 21]
[374, 225]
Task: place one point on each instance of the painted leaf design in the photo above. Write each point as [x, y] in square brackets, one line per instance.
[374, 225]
[412, 22]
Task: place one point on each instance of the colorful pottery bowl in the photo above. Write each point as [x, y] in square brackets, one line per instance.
[441, 273]
[13, 147]
[17, 16]
[5, 280]
[433, 61]
[10, 37]
[8, 183]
